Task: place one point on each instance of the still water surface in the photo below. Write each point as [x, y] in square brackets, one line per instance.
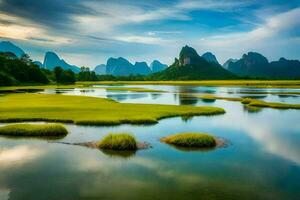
[261, 162]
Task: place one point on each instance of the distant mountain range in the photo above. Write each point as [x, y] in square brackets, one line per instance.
[6, 46]
[122, 67]
[254, 65]
[100, 69]
[191, 66]
[51, 60]
[114, 66]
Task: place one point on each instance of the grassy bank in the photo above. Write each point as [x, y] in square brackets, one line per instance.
[213, 97]
[252, 103]
[90, 110]
[190, 140]
[264, 104]
[119, 142]
[33, 130]
[241, 83]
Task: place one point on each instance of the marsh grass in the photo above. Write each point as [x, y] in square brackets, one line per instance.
[90, 110]
[118, 142]
[252, 103]
[191, 140]
[213, 97]
[264, 104]
[33, 130]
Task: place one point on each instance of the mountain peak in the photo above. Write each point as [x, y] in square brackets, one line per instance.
[228, 62]
[209, 57]
[141, 68]
[52, 60]
[188, 56]
[254, 57]
[157, 66]
[7, 46]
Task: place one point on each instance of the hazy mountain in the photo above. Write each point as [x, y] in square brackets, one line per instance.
[157, 66]
[252, 64]
[256, 65]
[230, 60]
[100, 69]
[286, 69]
[52, 60]
[191, 66]
[122, 67]
[119, 67]
[6, 46]
[38, 63]
[141, 68]
[209, 57]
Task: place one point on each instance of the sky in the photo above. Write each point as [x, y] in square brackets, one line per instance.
[88, 32]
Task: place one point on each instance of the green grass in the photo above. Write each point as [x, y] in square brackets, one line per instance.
[252, 103]
[213, 97]
[241, 83]
[264, 104]
[201, 140]
[32, 130]
[90, 110]
[132, 89]
[119, 142]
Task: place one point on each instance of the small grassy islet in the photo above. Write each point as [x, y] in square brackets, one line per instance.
[264, 104]
[193, 140]
[118, 142]
[33, 130]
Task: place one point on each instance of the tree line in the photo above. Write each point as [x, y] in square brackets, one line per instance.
[22, 71]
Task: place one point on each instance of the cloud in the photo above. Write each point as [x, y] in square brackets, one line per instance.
[18, 155]
[126, 26]
[220, 5]
[141, 39]
[273, 31]
[22, 29]
[152, 33]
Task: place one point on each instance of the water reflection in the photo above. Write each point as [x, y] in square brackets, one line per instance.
[264, 152]
[119, 154]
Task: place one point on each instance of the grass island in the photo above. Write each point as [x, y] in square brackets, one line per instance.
[194, 140]
[90, 110]
[33, 130]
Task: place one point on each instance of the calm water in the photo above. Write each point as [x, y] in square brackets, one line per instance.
[262, 161]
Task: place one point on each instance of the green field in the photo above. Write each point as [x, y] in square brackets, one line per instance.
[90, 110]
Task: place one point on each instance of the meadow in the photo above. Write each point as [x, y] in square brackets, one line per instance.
[90, 110]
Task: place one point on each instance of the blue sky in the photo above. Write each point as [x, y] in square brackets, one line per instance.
[88, 32]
